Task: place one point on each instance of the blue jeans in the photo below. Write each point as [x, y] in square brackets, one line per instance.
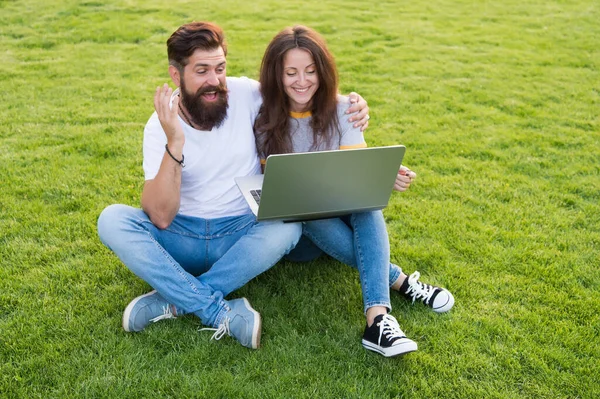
[194, 263]
[359, 240]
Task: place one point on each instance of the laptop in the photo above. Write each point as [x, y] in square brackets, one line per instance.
[318, 185]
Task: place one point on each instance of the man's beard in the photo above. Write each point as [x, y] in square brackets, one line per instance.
[205, 114]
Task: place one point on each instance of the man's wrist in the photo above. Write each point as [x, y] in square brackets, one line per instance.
[176, 156]
[176, 144]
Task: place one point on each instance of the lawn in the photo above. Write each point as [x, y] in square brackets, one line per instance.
[498, 104]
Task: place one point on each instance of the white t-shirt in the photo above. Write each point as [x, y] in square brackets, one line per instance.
[213, 158]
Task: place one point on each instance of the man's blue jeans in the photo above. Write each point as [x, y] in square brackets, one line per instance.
[359, 240]
[194, 263]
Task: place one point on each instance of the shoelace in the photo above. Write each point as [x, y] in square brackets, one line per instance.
[388, 327]
[220, 331]
[167, 314]
[419, 290]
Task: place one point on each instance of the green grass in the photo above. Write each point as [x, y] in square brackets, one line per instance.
[498, 105]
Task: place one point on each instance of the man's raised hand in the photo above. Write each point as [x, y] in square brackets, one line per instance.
[167, 115]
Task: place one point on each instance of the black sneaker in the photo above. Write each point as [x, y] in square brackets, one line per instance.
[438, 299]
[385, 337]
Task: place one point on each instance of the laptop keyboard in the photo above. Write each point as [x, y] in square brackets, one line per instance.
[256, 195]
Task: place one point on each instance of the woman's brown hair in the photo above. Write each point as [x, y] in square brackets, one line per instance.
[272, 126]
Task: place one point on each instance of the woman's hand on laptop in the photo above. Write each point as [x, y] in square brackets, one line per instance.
[404, 178]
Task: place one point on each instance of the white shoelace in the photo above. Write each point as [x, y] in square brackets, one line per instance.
[167, 314]
[418, 290]
[220, 331]
[388, 327]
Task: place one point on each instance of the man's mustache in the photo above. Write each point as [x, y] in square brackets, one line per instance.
[207, 89]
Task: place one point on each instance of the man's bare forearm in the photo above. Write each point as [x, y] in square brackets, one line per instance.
[161, 196]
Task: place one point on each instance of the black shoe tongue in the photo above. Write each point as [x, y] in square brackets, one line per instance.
[376, 320]
[404, 286]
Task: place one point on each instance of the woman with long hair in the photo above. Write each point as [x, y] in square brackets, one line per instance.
[303, 112]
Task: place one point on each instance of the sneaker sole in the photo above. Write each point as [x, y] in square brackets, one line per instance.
[257, 329]
[130, 307]
[396, 350]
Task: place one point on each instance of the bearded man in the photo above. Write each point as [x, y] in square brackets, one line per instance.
[195, 240]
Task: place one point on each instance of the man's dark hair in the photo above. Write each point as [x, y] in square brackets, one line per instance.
[191, 37]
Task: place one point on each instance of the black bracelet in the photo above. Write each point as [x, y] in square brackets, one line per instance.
[175, 159]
